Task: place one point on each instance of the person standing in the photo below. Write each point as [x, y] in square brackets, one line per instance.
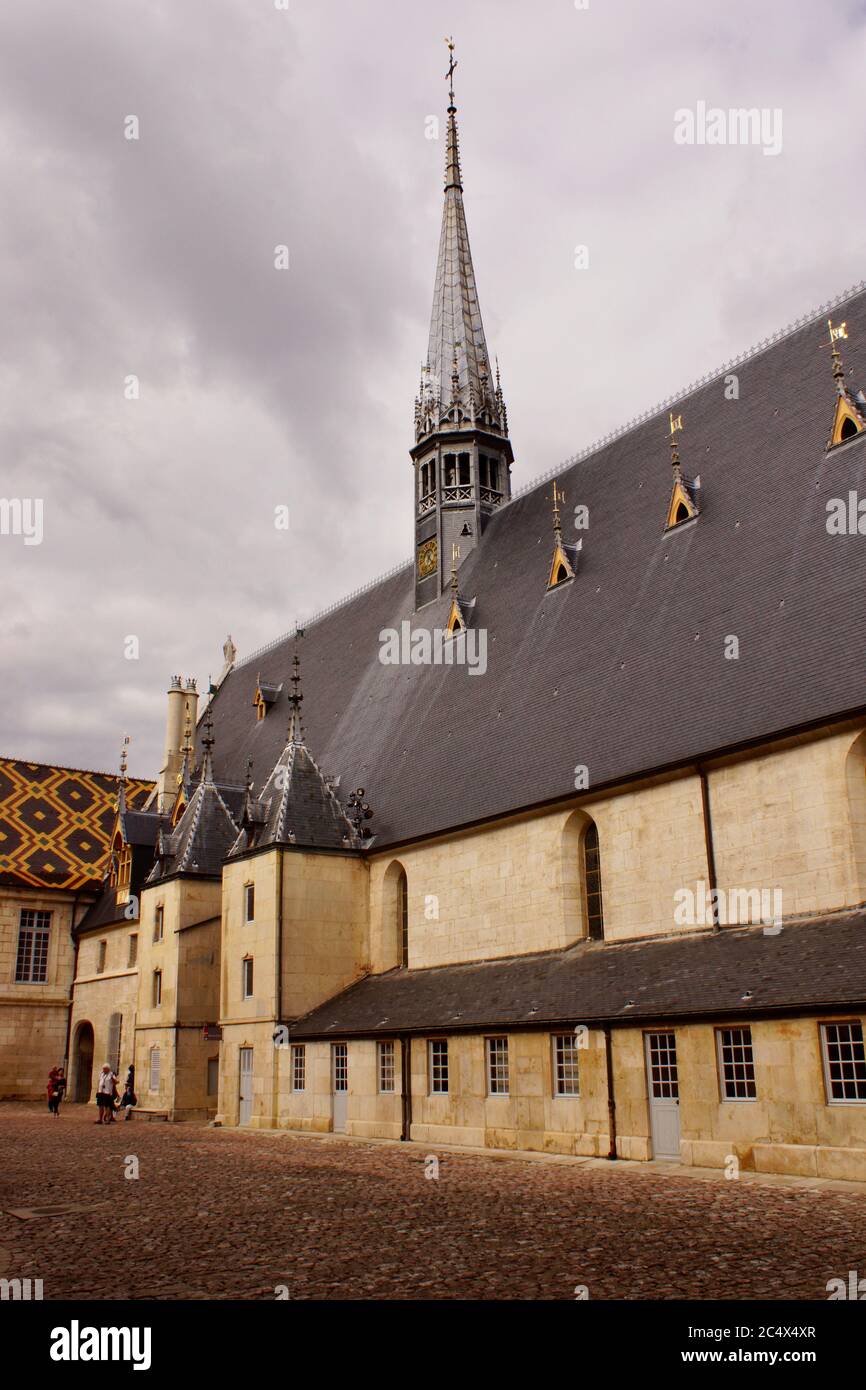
[105, 1095]
[129, 1098]
[56, 1090]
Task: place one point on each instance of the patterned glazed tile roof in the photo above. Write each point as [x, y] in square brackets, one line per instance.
[56, 823]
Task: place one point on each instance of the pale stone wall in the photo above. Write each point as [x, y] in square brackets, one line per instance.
[34, 1017]
[188, 956]
[793, 819]
[99, 995]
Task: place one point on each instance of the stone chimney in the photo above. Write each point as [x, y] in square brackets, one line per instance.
[179, 700]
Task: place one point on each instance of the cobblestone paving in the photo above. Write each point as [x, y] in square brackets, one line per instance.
[224, 1214]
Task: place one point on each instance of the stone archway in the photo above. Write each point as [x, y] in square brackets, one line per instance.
[83, 1054]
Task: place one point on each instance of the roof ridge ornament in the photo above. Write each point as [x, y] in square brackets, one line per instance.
[849, 417]
[683, 506]
[562, 566]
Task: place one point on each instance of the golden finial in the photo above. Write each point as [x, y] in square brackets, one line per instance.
[837, 331]
[558, 496]
[452, 63]
[676, 424]
[123, 757]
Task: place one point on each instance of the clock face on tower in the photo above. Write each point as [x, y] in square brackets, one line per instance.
[428, 558]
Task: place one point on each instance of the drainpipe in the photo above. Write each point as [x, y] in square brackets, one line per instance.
[611, 1098]
[708, 840]
[406, 1085]
[71, 990]
[278, 986]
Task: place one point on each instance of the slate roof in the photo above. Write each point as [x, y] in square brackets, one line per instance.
[202, 838]
[623, 669]
[56, 823]
[817, 964]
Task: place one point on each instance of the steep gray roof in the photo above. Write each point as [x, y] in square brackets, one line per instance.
[297, 805]
[738, 971]
[622, 670]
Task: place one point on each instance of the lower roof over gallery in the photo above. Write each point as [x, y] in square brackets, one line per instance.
[815, 963]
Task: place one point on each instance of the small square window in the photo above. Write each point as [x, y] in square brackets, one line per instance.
[844, 1061]
[385, 1052]
[736, 1063]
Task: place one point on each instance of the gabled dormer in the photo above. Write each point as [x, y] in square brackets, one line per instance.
[849, 416]
[266, 695]
[683, 505]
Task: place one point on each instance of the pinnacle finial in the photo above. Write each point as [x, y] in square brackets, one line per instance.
[207, 744]
[676, 424]
[558, 496]
[296, 729]
[452, 63]
[455, 557]
[836, 333]
[123, 757]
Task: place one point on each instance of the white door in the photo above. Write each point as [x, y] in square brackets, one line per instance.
[339, 1086]
[245, 1085]
[664, 1094]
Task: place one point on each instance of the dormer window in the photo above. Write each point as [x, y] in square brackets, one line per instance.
[265, 696]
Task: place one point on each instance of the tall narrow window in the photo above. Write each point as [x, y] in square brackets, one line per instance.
[249, 902]
[159, 923]
[247, 978]
[386, 1065]
[592, 881]
[31, 962]
[403, 900]
[157, 988]
[463, 460]
[299, 1067]
[101, 949]
[566, 1080]
[736, 1063]
[437, 1054]
[153, 1080]
[115, 1024]
[497, 1066]
[133, 950]
[844, 1061]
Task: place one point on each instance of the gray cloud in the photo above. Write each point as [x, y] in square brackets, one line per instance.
[261, 387]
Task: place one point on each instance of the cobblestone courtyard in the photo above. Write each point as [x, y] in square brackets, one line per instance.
[217, 1214]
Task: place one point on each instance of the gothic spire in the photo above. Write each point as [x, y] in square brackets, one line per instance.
[457, 380]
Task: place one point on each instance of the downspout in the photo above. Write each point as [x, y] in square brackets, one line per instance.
[406, 1085]
[611, 1097]
[708, 841]
[71, 989]
[278, 983]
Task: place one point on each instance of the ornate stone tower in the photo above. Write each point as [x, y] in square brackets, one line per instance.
[462, 455]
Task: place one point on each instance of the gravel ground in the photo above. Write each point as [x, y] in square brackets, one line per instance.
[227, 1214]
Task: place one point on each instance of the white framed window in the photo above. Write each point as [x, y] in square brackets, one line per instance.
[340, 1066]
[153, 1079]
[31, 962]
[133, 951]
[736, 1063]
[247, 977]
[101, 951]
[385, 1057]
[437, 1066]
[566, 1075]
[249, 902]
[844, 1056]
[497, 1066]
[159, 923]
[157, 988]
[299, 1067]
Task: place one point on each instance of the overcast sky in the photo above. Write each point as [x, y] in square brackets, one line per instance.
[262, 387]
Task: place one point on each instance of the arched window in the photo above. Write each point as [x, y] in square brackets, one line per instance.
[849, 429]
[592, 884]
[403, 898]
